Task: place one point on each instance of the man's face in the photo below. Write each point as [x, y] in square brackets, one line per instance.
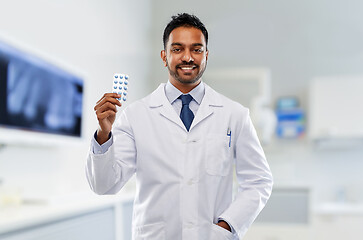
[185, 55]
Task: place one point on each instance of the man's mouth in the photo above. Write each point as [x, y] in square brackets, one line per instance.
[187, 68]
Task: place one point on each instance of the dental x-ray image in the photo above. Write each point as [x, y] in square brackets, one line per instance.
[38, 96]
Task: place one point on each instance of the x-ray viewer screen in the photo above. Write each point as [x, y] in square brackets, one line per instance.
[38, 96]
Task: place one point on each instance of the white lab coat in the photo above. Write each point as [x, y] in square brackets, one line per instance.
[184, 179]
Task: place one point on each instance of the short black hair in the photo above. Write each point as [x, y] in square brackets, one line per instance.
[184, 20]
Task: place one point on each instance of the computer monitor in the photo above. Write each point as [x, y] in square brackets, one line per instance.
[38, 98]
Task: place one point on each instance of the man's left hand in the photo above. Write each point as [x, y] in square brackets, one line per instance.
[224, 225]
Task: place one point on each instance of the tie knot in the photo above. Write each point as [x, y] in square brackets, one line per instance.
[186, 99]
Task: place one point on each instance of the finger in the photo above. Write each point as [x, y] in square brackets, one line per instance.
[106, 114]
[113, 100]
[105, 107]
[108, 99]
[114, 95]
[109, 95]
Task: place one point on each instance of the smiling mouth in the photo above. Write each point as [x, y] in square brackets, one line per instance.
[187, 68]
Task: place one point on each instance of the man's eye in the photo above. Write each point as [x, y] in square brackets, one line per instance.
[199, 50]
[176, 50]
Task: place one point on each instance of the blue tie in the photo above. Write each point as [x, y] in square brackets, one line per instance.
[186, 114]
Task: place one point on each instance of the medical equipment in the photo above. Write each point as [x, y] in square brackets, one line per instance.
[290, 118]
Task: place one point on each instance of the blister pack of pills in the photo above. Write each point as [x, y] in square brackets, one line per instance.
[120, 85]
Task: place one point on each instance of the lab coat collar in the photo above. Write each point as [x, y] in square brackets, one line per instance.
[159, 100]
[210, 100]
[172, 93]
[158, 97]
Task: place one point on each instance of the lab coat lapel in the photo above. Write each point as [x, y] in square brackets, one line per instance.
[159, 100]
[210, 100]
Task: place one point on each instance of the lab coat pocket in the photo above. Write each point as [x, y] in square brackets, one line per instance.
[219, 233]
[154, 231]
[217, 155]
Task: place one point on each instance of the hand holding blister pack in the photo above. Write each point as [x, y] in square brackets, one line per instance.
[120, 85]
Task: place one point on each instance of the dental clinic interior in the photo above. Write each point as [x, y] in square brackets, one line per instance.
[297, 65]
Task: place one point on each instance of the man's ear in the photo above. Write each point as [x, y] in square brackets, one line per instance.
[206, 55]
[163, 57]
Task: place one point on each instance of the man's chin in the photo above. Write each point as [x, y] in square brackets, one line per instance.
[187, 80]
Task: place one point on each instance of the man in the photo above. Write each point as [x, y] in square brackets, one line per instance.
[182, 142]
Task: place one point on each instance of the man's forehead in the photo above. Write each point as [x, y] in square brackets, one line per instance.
[186, 35]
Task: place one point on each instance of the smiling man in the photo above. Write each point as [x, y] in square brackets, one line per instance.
[183, 143]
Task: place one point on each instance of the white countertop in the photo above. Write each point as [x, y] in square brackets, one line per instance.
[335, 208]
[32, 212]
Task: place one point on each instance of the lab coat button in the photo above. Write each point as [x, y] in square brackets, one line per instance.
[190, 182]
[189, 225]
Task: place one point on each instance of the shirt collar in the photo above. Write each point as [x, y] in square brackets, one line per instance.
[172, 93]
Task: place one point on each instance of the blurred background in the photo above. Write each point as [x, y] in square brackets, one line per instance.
[296, 64]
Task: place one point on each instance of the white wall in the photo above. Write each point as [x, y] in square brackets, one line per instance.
[95, 37]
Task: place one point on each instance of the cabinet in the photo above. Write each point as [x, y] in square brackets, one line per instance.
[286, 216]
[74, 217]
[260, 231]
[334, 109]
[99, 224]
[337, 227]
[336, 221]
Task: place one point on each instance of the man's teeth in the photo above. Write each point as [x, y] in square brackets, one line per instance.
[187, 68]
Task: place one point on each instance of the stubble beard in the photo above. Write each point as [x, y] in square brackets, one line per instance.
[177, 77]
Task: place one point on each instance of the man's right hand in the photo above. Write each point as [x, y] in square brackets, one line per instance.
[106, 114]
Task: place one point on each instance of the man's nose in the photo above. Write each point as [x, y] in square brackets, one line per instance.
[187, 56]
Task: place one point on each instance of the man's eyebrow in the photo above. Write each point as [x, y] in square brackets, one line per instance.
[194, 44]
[198, 44]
